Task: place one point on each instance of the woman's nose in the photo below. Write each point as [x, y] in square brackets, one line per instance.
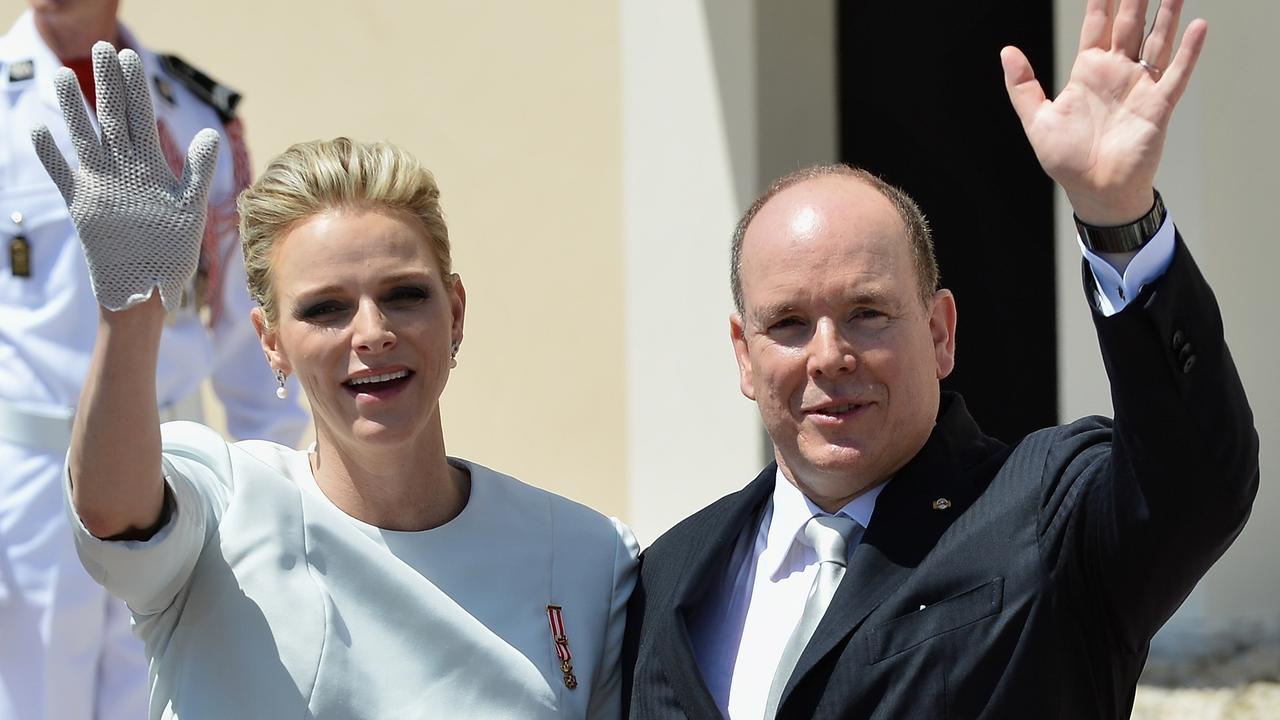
[371, 332]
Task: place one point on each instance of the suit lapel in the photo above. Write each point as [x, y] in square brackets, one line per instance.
[702, 573]
[904, 528]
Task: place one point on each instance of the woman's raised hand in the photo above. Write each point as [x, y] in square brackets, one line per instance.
[140, 226]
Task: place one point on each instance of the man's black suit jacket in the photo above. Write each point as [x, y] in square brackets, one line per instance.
[1045, 579]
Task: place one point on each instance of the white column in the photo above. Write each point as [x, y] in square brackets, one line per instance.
[689, 160]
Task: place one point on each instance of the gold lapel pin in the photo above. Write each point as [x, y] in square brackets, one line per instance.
[941, 504]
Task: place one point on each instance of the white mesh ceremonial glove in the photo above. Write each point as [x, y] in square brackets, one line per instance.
[141, 228]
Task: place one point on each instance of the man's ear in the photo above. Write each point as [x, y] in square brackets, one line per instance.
[269, 341]
[942, 325]
[746, 377]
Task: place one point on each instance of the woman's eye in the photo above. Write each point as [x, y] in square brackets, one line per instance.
[320, 310]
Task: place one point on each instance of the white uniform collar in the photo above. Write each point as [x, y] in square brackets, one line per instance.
[24, 43]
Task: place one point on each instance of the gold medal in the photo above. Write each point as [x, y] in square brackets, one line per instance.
[20, 257]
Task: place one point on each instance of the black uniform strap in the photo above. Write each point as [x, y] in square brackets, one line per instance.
[211, 92]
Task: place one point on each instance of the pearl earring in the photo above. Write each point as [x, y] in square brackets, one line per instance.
[282, 392]
[453, 356]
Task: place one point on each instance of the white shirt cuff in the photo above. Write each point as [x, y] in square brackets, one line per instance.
[1114, 291]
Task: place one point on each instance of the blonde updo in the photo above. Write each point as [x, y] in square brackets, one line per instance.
[314, 177]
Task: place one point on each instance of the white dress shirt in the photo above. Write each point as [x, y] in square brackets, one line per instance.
[761, 599]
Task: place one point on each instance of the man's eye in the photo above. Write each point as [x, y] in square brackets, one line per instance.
[786, 323]
[408, 295]
[867, 314]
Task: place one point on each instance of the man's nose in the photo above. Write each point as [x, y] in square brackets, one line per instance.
[370, 329]
[830, 352]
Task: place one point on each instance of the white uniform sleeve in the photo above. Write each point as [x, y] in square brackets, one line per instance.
[148, 574]
[241, 377]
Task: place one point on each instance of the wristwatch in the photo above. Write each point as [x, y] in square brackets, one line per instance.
[1123, 238]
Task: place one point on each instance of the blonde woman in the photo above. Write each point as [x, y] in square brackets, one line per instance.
[374, 576]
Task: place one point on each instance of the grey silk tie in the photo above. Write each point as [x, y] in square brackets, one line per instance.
[829, 536]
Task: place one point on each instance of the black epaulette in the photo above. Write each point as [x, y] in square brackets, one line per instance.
[211, 92]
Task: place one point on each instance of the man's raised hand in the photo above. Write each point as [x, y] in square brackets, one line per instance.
[1101, 139]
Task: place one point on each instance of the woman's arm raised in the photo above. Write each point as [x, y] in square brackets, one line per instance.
[141, 229]
[117, 486]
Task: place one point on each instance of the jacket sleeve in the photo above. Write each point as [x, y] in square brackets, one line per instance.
[607, 698]
[149, 574]
[1158, 497]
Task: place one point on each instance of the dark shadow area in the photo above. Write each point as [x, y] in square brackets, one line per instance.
[922, 104]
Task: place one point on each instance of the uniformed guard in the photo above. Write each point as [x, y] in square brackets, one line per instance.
[65, 647]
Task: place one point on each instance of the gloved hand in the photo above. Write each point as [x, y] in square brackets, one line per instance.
[141, 228]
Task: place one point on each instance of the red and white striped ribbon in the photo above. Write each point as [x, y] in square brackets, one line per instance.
[555, 618]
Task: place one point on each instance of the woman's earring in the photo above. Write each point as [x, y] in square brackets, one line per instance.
[282, 392]
[453, 356]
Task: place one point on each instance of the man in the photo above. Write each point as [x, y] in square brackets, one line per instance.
[897, 563]
[65, 647]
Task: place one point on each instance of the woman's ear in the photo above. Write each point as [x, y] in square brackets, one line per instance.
[269, 341]
[457, 307]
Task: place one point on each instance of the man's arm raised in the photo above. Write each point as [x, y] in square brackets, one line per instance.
[1159, 495]
[1102, 138]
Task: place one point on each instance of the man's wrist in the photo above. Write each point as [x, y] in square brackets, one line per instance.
[1123, 238]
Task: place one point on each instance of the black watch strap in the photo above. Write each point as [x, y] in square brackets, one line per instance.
[1123, 238]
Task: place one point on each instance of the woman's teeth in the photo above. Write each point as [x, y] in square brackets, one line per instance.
[378, 378]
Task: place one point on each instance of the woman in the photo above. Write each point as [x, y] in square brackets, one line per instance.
[372, 577]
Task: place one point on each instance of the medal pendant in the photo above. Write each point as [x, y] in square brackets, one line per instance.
[20, 257]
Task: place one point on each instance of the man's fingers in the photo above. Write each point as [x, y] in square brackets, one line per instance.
[1175, 78]
[1025, 92]
[1131, 21]
[112, 102]
[54, 163]
[197, 173]
[142, 115]
[83, 137]
[1096, 30]
[1158, 46]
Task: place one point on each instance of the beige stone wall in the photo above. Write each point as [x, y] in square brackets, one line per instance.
[515, 107]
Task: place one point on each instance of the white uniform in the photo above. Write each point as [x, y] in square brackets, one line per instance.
[65, 648]
[260, 598]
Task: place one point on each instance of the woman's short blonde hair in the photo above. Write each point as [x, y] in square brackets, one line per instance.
[340, 174]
